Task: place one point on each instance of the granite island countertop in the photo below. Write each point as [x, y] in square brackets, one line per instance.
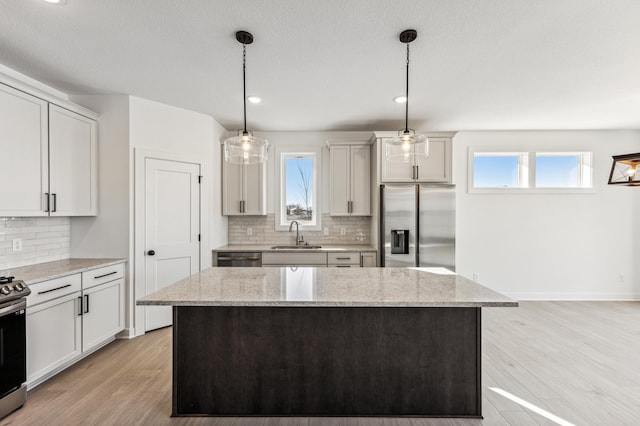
[326, 287]
[268, 247]
[38, 272]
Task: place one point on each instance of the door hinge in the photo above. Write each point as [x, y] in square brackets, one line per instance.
[199, 179]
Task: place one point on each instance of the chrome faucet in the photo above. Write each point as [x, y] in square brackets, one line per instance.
[299, 238]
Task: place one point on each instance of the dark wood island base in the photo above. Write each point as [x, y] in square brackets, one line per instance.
[326, 361]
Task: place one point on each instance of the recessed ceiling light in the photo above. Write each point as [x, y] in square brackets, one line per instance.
[58, 2]
[254, 99]
[400, 99]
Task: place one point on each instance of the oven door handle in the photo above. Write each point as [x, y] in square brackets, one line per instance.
[12, 307]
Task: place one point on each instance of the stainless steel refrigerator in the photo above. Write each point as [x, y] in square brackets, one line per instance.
[418, 225]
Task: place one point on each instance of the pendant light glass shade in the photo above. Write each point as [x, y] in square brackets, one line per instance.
[245, 148]
[407, 147]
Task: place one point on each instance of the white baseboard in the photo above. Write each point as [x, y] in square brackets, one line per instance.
[608, 297]
[127, 333]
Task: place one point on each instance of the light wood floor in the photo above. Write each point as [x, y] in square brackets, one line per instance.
[579, 361]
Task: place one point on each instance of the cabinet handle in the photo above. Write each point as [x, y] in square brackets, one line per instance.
[79, 306]
[55, 203]
[86, 301]
[105, 275]
[343, 258]
[46, 197]
[343, 266]
[417, 172]
[54, 289]
[242, 206]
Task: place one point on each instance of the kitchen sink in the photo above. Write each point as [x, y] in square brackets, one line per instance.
[294, 247]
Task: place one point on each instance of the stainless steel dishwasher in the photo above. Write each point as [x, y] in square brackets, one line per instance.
[242, 259]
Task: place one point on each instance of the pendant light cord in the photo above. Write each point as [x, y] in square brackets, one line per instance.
[406, 104]
[244, 83]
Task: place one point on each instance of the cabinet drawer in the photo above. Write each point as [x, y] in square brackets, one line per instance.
[102, 275]
[346, 258]
[52, 289]
[285, 259]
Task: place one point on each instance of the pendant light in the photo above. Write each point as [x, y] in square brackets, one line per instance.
[624, 170]
[245, 148]
[407, 146]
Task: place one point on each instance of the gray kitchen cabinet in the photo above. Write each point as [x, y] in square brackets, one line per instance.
[244, 189]
[54, 327]
[344, 259]
[51, 152]
[103, 305]
[350, 178]
[24, 151]
[294, 259]
[368, 259]
[435, 168]
[70, 317]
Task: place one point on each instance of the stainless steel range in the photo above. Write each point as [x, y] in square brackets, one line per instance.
[13, 346]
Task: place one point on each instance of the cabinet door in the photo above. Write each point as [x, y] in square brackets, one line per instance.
[103, 313]
[72, 163]
[340, 185]
[254, 189]
[24, 154]
[53, 335]
[392, 171]
[360, 167]
[231, 188]
[437, 167]
[368, 260]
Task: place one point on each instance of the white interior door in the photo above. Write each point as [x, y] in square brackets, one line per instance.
[172, 228]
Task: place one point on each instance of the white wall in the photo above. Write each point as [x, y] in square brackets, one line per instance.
[219, 229]
[164, 128]
[551, 246]
[107, 234]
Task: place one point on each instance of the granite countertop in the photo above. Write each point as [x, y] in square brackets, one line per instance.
[267, 247]
[324, 287]
[59, 268]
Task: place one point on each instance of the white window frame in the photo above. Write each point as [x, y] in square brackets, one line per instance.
[528, 172]
[524, 174]
[283, 153]
[585, 169]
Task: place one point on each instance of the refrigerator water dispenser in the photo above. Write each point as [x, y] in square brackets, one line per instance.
[399, 241]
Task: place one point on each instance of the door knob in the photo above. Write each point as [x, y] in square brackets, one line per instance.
[151, 252]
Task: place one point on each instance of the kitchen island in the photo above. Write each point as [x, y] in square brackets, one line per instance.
[326, 342]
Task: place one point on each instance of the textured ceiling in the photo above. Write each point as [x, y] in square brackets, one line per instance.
[337, 64]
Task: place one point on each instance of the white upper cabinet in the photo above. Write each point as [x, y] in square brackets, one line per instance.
[50, 155]
[72, 163]
[24, 153]
[350, 178]
[435, 168]
[244, 189]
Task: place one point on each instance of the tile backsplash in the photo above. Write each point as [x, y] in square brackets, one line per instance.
[357, 230]
[44, 239]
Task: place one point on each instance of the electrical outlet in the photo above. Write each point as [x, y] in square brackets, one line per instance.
[621, 278]
[343, 231]
[326, 231]
[17, 244]
[476, 276]
[249, 231]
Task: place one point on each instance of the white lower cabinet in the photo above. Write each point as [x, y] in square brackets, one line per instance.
[71, 316]
[54, 336]
[102, 313]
